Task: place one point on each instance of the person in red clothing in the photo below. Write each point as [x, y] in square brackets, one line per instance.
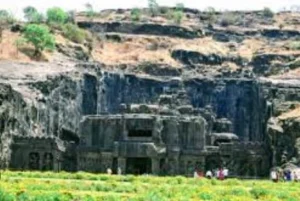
[200, 174]
[221, 174]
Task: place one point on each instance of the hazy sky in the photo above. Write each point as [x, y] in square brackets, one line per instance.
[16, 6]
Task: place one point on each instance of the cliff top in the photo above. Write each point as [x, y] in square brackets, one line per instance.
[176, 42]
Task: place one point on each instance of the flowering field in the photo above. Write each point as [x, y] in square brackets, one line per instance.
[37, 186]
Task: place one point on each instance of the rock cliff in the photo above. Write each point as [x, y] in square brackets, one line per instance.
[246, 75]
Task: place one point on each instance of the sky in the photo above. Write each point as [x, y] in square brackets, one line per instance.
[16, 6]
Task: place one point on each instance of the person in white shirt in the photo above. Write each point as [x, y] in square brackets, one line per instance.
[274, 176]
[208, 174]
[226, 171]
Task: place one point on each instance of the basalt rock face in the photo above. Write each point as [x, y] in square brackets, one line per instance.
[63, 100]
[282, 129]
[195, 106]
[133, 28]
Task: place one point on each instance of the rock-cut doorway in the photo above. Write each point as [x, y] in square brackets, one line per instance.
[138, 166]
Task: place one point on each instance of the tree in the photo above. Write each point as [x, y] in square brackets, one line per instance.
[153, 7]
[71, 16]
[211, 14]
[177, 14]
[40, 37]
[4, 14]
[74, 33]
[267, 12]
[135, 14]
[56, 15]
[90, 13]
[28, 12]
[32, 15]
[6, 17]
[180, 6]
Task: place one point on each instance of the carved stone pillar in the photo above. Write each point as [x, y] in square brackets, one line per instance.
[155, 166]
[122, 164]
[41, 160]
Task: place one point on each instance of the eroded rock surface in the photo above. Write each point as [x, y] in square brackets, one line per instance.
[157, 98]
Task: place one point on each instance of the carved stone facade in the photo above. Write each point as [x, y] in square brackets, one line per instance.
[36, 153]
[169, 138]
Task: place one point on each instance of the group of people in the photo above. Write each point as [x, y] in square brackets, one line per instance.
[221, 174]
[288, 175]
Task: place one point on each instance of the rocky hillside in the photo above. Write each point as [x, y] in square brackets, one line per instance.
[244, 65]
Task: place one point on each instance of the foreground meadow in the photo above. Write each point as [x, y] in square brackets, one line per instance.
[47, 186]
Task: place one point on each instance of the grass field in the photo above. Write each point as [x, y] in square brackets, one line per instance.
[47, 186]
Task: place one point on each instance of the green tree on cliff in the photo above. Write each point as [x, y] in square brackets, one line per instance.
[40, 37]
[56, 15]
[153, 7]
[32, 15]
[90, 13]
[6, 17]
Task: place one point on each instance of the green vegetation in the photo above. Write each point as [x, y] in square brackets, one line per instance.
[74, 33]
[71, 16]
[135, 14]
[153, 8]
[211, 14]
[90, 11]
[40, 37]
[19, 43]
[32, 15]
[56, 15]
[228, 19]
[33, 186]
[6, 17]
[177, 14]
[295, 45]
[267, 12]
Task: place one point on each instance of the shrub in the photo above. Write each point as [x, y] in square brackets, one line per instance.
[228, 19]
[74, 33]
[177, 14]
[211, 14]
[135, 14]
[281, 26]
[19, 43]
[6, 17]
[206, 196]
[39, 36]
[257, 192]
[28, 11]
[56, 15]
[267, 12]
[89, 10]
[294, 45]
[71, 16]
[153, 7]
[37, 18]
[32, 15]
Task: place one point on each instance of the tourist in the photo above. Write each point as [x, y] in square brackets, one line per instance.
[226, 172]
[208, 174]
[221, 174]
[200, 174]
[109, 171]
[216, 173]
[119, 171]
[274, 176]
[288, 176]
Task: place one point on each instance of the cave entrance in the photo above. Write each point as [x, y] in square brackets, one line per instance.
[69, 136]
[140, 133]
[138, 166]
